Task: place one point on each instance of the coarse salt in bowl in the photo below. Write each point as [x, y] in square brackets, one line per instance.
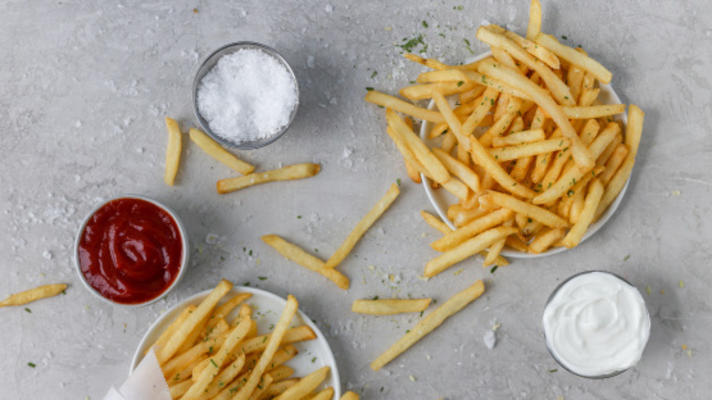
[245, 95]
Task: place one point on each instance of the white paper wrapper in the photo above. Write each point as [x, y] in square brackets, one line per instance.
[145, 383]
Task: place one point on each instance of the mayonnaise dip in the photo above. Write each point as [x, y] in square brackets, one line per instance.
[596, 324]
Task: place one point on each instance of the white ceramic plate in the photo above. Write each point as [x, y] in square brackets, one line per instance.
[267, 307]
[441, 199]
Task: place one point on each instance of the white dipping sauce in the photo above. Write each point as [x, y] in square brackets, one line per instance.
[596, 324]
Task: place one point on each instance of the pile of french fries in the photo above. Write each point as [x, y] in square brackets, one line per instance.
[327, 268]
[531, 156]
[174, 149]
[204, 354]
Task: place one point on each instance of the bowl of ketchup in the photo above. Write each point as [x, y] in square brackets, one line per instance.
[131, 251]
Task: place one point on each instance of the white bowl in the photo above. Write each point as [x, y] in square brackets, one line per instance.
[441, 199]
[313, 354]
[184, 256]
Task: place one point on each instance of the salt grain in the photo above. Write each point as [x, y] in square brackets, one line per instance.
[249, 95]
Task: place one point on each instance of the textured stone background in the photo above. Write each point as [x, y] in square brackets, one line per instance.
[84, 89]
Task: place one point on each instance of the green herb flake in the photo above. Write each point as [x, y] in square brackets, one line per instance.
[425, 24]
[31, 364]
[551, 371]
[368, 88]
[564, 37]
[398, 181]
[373, 74]
[28, 310]
[570, 193]
[262, 278]
[213, 362]
[374, 298]
[626, 257]
[493, 269]
[460, 83]
[249, 253]
[313, 360]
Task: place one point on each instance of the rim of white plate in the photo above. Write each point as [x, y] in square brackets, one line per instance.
[438, 199]
[327, 355]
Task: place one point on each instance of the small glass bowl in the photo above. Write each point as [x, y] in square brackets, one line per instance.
[208, 65]
[551, 296]
[184, 259]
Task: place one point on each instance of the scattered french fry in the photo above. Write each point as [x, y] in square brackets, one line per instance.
[389, 306]
[174, 148]
[216, 151]
[28, 296]
[575, 57]
[429, 323]
[290, 172]
[362, 226]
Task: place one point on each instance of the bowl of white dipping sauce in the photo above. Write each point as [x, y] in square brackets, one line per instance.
[596, 324]
[245, 95]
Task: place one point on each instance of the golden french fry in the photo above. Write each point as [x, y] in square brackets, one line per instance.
[521, 137]
[297, 255]
[471, 95]
[226, 308]
[555, 85]
[466, 249]
[408, 156]
[362, 226]
[543, 100]
[543, 241]
[290, 172]
[399, 105]
[428, 62]
[420, 150]
[615, 185]
[349, 396]
[212, 369]
[537, 51]
[216, 151]
[614, 162]
[574, 57]
[265, 382]
[589, 131]
[193, 321]
[634, 130]
[435, 222]
[174, 147]
[493, 253]
[277, 388]
[389, 306]
[447, 75]
[593, 198]
[305, 385]
[534, 26]
[463, 216]
[177, 390]
[326, 394]
[225, 376]
[540, 214]
[166, 334]
[273, 344]
[458, 189]
[509, 153]
[28, 296]
[458, 169]
[472, 228]
[429, 323]
[299, 334]
[588, 96]
[425, 91]
[608, 152]
[604, 110]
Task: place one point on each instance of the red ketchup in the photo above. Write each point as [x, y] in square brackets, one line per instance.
[130, 251]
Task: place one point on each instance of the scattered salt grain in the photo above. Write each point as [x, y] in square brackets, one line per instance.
[248, 95]
[490, 339]
[47, 255]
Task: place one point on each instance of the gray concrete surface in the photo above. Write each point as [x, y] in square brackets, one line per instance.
[83, 90]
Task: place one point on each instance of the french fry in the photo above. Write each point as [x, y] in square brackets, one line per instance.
[517, 244]
[214, 150]
[463, 216]
[425, 91]
[293, 335]
[273, 344]
[509, 153]
[349, 396]
[540, 214]
[281, 372]
[543, 100]
[493, 253]
[212, 369]
[589, 131]
[290, 172]
[615, 185]
[226, 308]
[362, 226]
[420, 150]
[326, 394]
[28, 296]
[174, 147]
[166, 334]
[466, 249]
[534, 26]
[471, 95]
[472, 228]
[435, 222]
[447, 75]
[545, 240]
[574, 57]
[608, 152]
[458, 169]
[458, 189]
[604, 110]
[297, 255]
[404, 107]
[429, 323]
[593, 198]
[520, 137]
[265, 382]
[556, 86]
[193, 321]
[225, 376]
[408, 156]
[634, 130]
[614, 162]
[389, 306]
[305, 385]
[428, 62]
[277, 388]
[546, 56]
[574, 78]
[177, 390]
